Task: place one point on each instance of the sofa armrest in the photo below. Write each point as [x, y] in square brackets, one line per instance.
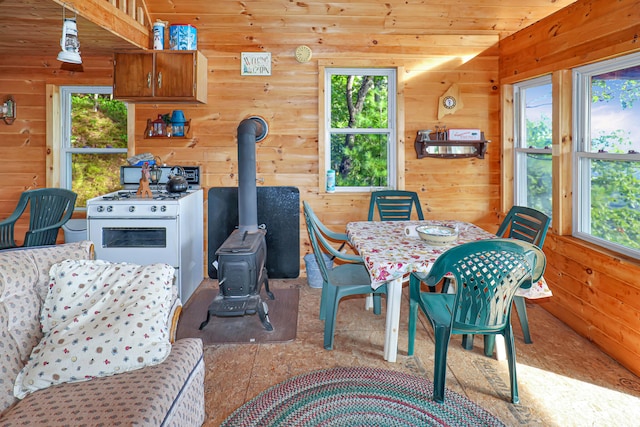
[174, 317]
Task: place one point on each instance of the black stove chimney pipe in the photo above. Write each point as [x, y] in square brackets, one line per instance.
[250, 131]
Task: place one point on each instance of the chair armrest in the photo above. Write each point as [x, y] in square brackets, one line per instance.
[50, 227]
[11, 219]
[7, 238]
[337, 254]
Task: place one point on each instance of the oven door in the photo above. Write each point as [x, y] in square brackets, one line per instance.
[135, 240]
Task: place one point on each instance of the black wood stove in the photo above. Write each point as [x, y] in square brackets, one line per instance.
[242, 256]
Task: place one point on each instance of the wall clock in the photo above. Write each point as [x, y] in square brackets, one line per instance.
[449, 102]
[303, 53]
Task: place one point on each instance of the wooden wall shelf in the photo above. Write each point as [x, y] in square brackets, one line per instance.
[148, 131]
[450, 149]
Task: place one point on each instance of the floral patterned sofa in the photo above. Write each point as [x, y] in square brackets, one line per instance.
[168, 393]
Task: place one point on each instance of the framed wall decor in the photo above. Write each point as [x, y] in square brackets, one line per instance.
[255, 64]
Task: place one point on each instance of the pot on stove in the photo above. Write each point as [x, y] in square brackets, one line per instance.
[177, 182]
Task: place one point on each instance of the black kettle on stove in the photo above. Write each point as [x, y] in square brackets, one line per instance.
[177, 182]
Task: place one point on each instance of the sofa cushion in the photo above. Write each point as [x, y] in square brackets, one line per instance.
[24, 275]
[99, 319]
[168, 394]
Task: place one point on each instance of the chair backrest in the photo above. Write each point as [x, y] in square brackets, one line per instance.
[50, 209]
[487, 274]
[394, 205]
[526, 224]
[323, 228]
[321, 244]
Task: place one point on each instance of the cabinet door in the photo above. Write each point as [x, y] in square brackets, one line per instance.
[133, 75]
[175, 75]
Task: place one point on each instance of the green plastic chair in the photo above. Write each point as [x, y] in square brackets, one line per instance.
[486, 274]
[529, 225]
[49, 209]
[394, 205]
[350, 277]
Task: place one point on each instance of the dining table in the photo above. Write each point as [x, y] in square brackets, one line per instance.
[391, 250]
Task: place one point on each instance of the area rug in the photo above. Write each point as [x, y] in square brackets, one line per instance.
[283, 314]
[357, 397]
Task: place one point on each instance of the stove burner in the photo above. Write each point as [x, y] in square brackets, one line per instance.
[166, 196]
[118, 195]
[130, 195]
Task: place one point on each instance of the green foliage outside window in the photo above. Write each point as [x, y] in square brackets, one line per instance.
[359, 158]
[97, 122]
[539, 167]
[615, 200]
[615, 203]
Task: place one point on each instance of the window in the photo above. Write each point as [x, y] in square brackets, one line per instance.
[93, 142]
[532, 130]
[361, 127]
[607, 160]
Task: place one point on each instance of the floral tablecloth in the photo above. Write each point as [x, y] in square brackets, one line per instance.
[389, 253]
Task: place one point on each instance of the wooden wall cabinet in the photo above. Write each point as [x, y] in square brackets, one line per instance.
[177, 76]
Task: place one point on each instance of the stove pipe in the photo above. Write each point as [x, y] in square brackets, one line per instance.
[250, 131]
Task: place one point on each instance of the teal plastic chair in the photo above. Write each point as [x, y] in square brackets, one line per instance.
[394, 205]
[349, 277]
[486, 274]
[49, 209]
[529, 225]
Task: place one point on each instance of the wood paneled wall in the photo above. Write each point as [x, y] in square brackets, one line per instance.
[596, 292]
[288, 100]
[23, 144]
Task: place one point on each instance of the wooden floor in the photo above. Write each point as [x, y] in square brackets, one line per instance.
[564, 380]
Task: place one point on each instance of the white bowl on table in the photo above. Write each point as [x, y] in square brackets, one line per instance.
[437, 235]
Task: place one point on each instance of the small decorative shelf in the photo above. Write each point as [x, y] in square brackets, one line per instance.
[151, 129]
[429, 146]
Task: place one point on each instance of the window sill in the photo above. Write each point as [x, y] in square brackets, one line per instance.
[609, 253]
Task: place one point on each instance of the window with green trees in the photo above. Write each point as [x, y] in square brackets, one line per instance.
[607, 153]
[94, 141]
[533, 104]
[361, 128]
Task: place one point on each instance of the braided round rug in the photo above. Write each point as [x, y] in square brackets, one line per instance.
[357, 397]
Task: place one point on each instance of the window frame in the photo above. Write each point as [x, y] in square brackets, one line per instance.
[393, 157]
[582, 157]
[520, 185]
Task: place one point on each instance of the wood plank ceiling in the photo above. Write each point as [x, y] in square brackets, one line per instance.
[502, 17]
[34, 27]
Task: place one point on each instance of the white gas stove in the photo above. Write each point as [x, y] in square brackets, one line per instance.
[165, 228]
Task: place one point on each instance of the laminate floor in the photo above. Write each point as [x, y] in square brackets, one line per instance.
[564, 380]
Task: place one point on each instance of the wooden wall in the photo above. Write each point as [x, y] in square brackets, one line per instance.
[23, 144]
[288, 100]
[596, 292]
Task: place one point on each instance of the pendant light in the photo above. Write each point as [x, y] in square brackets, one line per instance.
[69, 42]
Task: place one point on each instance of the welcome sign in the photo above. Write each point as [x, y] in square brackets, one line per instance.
[256, 64]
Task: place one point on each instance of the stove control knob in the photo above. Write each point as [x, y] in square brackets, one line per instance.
[109, 208]
[163, 208]
[100, 208]
[154, 208]
[132, 208]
